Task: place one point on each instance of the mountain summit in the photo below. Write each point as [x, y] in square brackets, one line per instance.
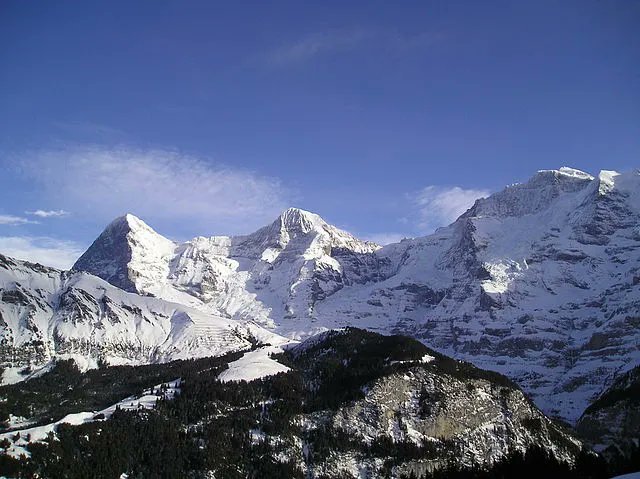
[128, 254]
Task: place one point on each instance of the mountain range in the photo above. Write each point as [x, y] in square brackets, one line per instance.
[540, 281]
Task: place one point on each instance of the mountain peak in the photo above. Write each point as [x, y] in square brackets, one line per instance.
[125, 252]
[308, 230]
[128, 220]
[296, 219]
[532, 196]
[567, 172]
[297, 212]
[562, 179]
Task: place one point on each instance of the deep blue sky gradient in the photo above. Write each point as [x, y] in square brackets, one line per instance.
[393, 97]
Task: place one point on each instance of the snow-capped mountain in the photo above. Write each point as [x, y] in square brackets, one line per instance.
[47, 313]
[540, 281]
[274, 276]
[128, 254]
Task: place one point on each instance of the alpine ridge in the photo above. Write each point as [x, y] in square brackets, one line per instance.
[539, 281]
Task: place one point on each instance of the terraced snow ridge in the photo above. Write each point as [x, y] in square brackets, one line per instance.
[47, 313]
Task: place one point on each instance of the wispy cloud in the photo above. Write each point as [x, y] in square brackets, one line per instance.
[155, 184]
[317, 43]
[440, 206]
[15, 220]
[44, 250]
[341, 40]
[47, 213]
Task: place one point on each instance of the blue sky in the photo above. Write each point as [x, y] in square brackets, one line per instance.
[386, 118]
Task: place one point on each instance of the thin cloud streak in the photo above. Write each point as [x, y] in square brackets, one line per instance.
[47, 213]
[156, 185]
[44, 250]
[317, 43]
[12, 220]
[333, 41]
[405, 43]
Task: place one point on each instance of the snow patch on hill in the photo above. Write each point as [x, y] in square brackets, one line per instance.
[254, 365]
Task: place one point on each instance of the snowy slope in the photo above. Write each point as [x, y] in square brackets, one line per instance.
[254, 365]
[47, 313]
[539, 281]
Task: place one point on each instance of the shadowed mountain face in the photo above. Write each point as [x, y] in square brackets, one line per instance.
[539, 281]
[128, 254]
[612, 422]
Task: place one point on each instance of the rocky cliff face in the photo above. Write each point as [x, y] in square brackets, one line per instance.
[612, 422]
[452, 410]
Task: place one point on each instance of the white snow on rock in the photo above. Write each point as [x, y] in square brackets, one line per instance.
[427, 358]
[280, 271]
[49, 314]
